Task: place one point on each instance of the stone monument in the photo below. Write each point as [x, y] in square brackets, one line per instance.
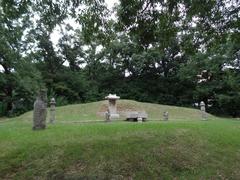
[165, 115]
[52, 110]
[203, 110]
[112, 107]
[40, 111]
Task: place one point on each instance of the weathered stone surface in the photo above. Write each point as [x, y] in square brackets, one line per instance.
[40, 111]
[52, 110]
[112, 107]
[107, 116]
[135, 116]
[165, 116]
[203, 110]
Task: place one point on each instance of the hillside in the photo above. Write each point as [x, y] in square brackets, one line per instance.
[182, 148]
[95, 111]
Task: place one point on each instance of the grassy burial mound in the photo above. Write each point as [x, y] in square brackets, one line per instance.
[95, 111]
[181, 148]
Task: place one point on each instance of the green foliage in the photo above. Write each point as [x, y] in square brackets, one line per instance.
[152, 51]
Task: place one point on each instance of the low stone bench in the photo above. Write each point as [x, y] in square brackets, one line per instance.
[136, 116]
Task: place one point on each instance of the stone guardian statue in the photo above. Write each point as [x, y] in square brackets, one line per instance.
[165, 116]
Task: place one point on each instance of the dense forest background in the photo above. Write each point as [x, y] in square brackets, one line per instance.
[176, 52]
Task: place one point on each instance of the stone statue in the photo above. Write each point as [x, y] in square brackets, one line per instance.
[40, 111]
[165, 116]
[107, 116]
[52, 110]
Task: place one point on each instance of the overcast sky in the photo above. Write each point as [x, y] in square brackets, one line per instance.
[110, 3]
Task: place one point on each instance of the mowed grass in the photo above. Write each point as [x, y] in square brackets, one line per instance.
[90, 111]
[176, 149]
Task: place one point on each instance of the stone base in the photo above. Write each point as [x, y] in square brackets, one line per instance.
[39, 127]
[140, 120]
[204, 115]
[114, 116]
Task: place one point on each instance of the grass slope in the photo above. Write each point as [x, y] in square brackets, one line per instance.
[180, 148]
[90, 111]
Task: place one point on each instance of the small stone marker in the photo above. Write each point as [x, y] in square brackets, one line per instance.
[107, 116]
[203, 110]
[165, 116]
[52, 110]
[40, 111]
[140, 120]
[112, 107]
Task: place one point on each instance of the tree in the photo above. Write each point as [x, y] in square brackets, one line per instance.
[13, 22]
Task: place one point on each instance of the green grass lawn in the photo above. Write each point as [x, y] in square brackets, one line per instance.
[182, 148]
[89, 111]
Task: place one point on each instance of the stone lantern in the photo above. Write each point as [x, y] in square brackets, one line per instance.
[112, 107]
[52, 110]
[203, 110]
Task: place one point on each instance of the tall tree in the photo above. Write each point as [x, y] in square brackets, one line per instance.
[14, 19]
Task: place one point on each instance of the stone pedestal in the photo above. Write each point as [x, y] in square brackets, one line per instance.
[140, 120]
[203, 110]
[40, 111]
[52, 110]
[112, 107]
